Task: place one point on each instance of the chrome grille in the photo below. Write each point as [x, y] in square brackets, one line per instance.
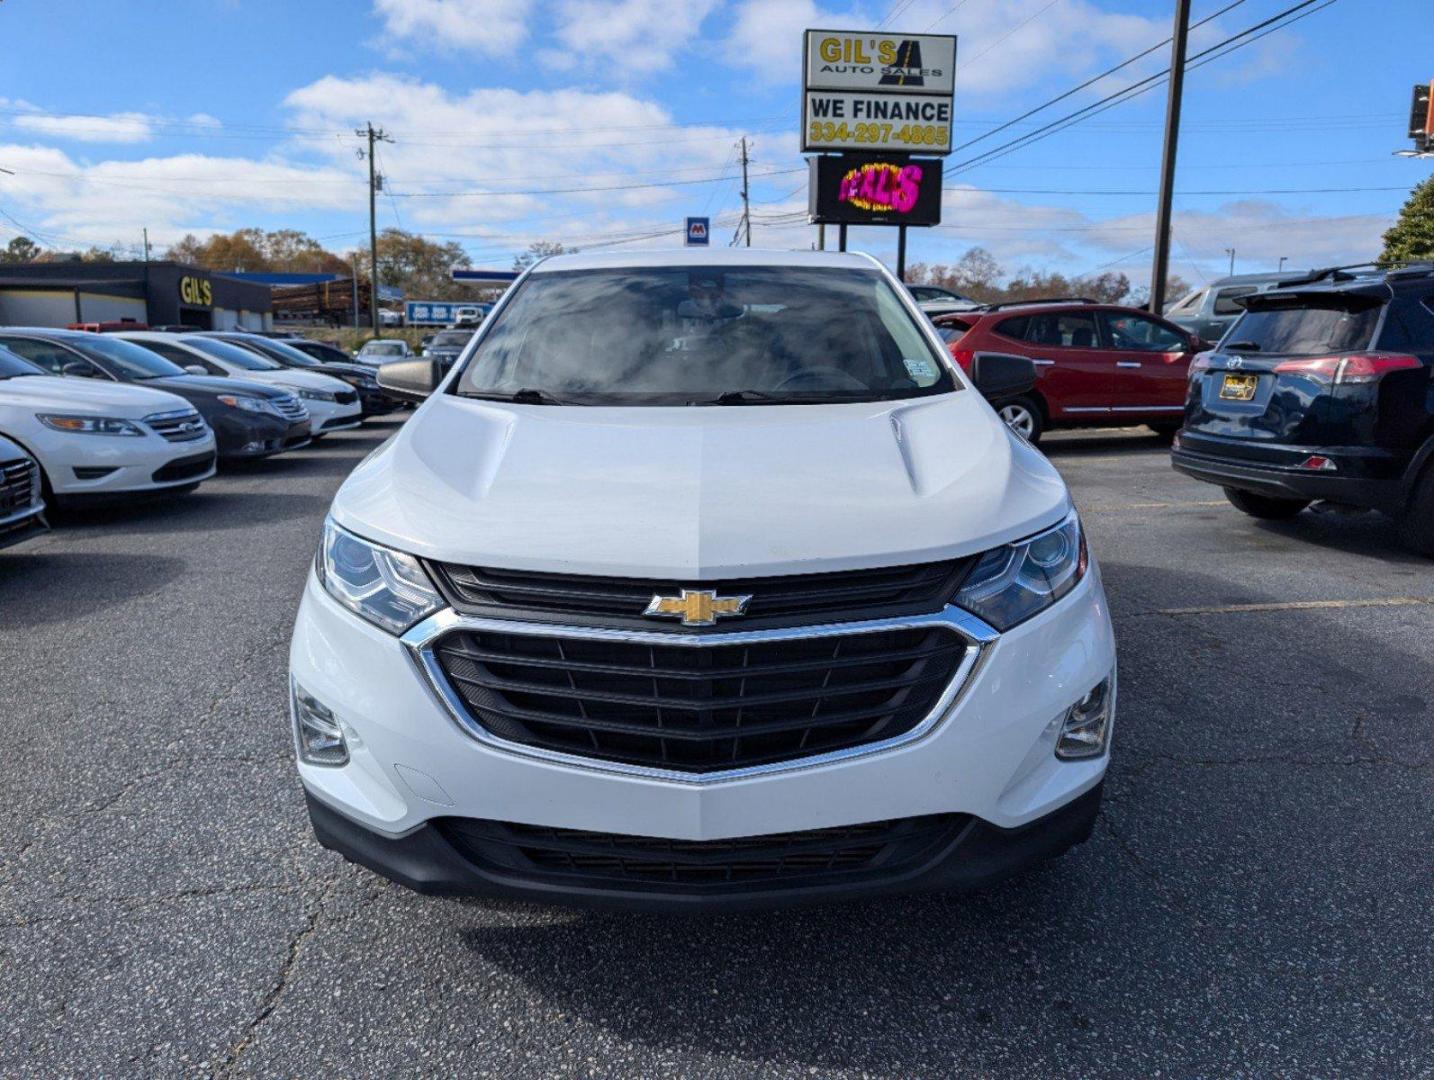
[291, 407]
[180, 425]
[19, 486]
[700, 704]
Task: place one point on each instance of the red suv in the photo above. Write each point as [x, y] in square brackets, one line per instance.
[1097, 364]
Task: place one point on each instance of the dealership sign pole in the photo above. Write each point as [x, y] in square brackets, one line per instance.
[877, 109]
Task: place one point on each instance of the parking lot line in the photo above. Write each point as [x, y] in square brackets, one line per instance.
[1291, 605]
[1126, 507]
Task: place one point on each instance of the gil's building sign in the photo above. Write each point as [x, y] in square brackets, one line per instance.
[870, 91]
[153, 293]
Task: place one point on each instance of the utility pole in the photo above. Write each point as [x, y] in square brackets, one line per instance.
[146, 243]
[1161, 270]
[354, 264]
[746, 206]
[1231, 252]
[374, 180]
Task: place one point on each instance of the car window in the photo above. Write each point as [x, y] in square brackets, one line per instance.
[1225, 299]
[232, 354]
[452, 337]
[1190, 303]
[1061, 329]
[679, 335]
[1409, 327]
[280, 353]
[132, 361]
[45, 354]
[383, 348]
[1126, 330]
[174, 354]
[1331, 326]
[12, 365]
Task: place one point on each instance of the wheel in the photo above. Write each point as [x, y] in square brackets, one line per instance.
[1023, 416]
[1265, 506]
[1416, 524]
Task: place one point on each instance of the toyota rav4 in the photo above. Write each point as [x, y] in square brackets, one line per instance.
[704, 580]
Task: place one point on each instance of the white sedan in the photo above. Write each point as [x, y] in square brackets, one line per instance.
[22, 509]
[332, 403]
[101, 439]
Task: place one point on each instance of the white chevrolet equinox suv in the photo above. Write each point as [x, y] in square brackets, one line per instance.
[703, 580]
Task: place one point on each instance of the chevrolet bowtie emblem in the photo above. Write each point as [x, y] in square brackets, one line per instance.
[697, 607]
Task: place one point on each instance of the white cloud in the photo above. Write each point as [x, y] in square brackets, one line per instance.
[124, 127]
[767, 35]
[501, 141]
[624, 38]
[486, 27]
[71, 203]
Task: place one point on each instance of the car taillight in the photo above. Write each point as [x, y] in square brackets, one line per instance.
[1342, 370]
[963, 357]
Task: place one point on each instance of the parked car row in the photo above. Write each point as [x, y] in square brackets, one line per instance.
[103, 416]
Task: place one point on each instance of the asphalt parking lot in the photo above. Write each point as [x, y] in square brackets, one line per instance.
[1256, 900]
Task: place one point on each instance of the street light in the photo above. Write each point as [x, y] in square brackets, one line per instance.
[1283, 259]
[1231, 252]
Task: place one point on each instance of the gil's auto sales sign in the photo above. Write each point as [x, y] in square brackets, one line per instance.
[865, 91]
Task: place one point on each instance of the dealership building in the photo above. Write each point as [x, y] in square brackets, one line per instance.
[155, 293]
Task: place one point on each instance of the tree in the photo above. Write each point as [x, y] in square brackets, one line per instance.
[417, 267]
[1411, 238]
[20, 249]
[539, 249]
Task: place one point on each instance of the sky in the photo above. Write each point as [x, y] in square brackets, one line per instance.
[602, 123]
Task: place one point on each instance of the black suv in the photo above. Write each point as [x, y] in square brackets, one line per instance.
[1321, 391]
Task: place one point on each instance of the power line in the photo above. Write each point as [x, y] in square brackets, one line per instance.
[1137, 88]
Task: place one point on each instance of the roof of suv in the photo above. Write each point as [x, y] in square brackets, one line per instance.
[702, 257]
[1367, 281]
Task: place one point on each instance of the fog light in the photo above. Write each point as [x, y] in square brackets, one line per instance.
[317, 731]
[1086, 726]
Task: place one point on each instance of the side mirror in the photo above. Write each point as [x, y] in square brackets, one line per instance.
[412, 380]
[196, 369]
[77, 370]
[1000, 376]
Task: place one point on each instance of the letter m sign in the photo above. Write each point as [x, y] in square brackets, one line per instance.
[698, 229]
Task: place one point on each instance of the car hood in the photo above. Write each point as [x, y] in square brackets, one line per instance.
[308, 380]
[701, 493]
[10, 451]
[210, 386]
[91, 397]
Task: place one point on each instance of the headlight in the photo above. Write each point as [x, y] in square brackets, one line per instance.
[247, 404]
[1010, 584]
[316, 395]
[89, 425]
[386, 587]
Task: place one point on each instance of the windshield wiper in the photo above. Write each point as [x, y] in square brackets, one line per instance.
[761, 397]
[1243, 346]
[526, 396]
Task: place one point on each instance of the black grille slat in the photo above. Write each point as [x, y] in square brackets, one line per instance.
[783, 600]
[19, 484]
[788, 860]
[699, 708]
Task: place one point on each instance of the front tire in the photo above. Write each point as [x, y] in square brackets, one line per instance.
[1023, 416]
[1416, 525]
[1265, 507]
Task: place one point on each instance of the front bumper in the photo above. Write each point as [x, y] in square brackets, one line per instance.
[978, 854]
[989, 755]
[21, 525]
[1364, 476]
[241, 435]
[105, 468]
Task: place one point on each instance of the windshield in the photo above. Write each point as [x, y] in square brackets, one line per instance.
[12, 366]
[231, 354]
[1306, 331]
[384, 348]
[130, 360]
[690, 335]
[285, 355]
[450, 338]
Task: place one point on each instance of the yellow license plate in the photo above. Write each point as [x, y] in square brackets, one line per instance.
[1239, 387]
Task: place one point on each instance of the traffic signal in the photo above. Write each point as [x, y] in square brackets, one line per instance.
[1421, 113]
